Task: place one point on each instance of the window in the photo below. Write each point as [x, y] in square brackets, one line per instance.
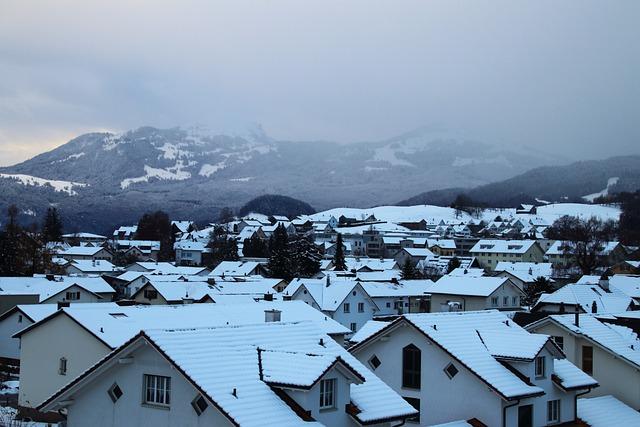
[115, 392]
[62, 366]
[514, 301]
[540, 366]
[416, 405]
[494, 301]
[553, 411]
[157, 390]
[199, 404]
[150, 294]
[559, 342]
[388, 305]
[374, 362]
[353, 327]
[20, 318]
[346, 307]
[451, 371]
[505, 301]
[327, 393]
[587, 359]
[360, 307]
[73, 296]
[411, 367]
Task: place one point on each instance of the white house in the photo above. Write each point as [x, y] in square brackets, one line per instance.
[189, 252]
[586, 298]
[75, 337]
[16, 319]
[272, 374]
[90, 267]
[469, 293]
[489, 252]
[608, 352]
[407, 296]
[92, 253]
[343, 300]
[481, 365]
[237, 269]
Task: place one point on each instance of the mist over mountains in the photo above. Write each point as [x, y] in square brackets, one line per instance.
[99, 180]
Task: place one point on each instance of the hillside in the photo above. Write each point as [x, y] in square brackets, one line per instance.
[577, 182]
[100, 180]
[272, 204]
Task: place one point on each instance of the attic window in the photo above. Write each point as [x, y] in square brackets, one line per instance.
[115, 392]
[199, 404]
[374, 362]
[117, 315]
[451, 371]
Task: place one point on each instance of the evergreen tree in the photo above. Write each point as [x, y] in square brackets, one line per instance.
[255, 247]
[532, 292]
[305, 257]
[157, 226]
[339, 263]
[52, 226]
[223, 247]
[409, 270]
[226, 215]
[453, 264]
[280, 260]
[22, 252]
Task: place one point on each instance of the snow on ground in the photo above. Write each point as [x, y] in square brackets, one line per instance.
[208, 170]
[245, 179]
[71, 157]
[374, 169]
[60, 186]
[169, 151]
[174, 173]
[463, 161]
[610, 183]
[434, 214]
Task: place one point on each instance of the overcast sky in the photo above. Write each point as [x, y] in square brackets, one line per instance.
[560, 75]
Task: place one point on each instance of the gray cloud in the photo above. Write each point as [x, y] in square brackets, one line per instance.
[559, 76]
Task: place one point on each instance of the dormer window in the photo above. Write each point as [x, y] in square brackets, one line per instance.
[540, 367]
[328, 393]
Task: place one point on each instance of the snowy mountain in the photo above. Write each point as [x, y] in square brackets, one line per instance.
[577, 182]
[100, 178]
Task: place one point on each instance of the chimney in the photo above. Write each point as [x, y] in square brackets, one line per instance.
[328, 281]
[62, 304]
[211, 280]
[50, 277]
[604, 282]
[268, 297]
[272, 316]
[577, 317]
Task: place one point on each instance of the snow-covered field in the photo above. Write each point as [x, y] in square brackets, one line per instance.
[174, 173]
[434, 214]
[60, 186]
[610, 183]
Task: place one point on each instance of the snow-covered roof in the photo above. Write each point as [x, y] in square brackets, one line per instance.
[374, 264]
[89, 266]
[328, 297]
[419, 252]
[629, 285]
[81, 251]
[84, 236]
[190, 245]
[368, 329]
[468, 285]
[181, 290]
[470, 272]
[585, 295]
[607, 411]
[526, 271]
[404, 288]
[570, 376]
[46, 288]
[378, 276]
[442, 243]
[235, 268]
[114, 324]
[502, 246]
[500, 343]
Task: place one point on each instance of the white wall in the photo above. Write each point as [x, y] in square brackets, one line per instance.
[10, 347]
[354, 316]
[93, 406]
[84, 296]
[40, 353]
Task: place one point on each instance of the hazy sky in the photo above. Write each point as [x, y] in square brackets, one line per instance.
[563, 75]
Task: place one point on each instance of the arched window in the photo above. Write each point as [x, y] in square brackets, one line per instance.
[411, 367]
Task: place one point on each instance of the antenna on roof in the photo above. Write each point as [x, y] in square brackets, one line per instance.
[235, 393]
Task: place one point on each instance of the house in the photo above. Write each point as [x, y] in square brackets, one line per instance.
[523, 209]
[238, 269]
[489, 252]
[142, 250]
[560, 254]
[370, 264]
[90, 267]
[585, 298]
[52, 290]
[439, 265]
[468, 293]
[628, 285]
[608, 352]
[413, 255]
[394, 298]
[79, 238]
[345, 300]
[189, 252]
[15, 319]
[131, 281]
[444, 247]
[178, 292]
[275, 373]
[480, 365]
[626, 267]
[182, 227]
[91, 253]
[524, 274]
[63, 345]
